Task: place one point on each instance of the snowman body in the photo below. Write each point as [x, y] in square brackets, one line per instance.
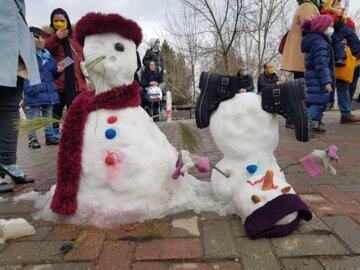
[248, 137]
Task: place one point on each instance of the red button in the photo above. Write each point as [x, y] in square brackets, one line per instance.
[112, 119]
[111, 159]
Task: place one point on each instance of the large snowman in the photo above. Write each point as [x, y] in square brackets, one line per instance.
[114, 164]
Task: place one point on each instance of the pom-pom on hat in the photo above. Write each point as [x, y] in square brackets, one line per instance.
[319, 23]
[99, 23]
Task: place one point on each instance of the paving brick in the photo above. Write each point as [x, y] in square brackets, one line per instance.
[10, 207]
[257, 254]
[62, 266]
[218, 240]
[116, 255]
[139, 231]
[348, 187]
[356, 218]
[238, 228]
[149, 266]
[299, 186]
[169, 249]
[64, 232]
[11, 267]
[206, 216]
[314, 226]
[31, 252]
[347, 230]
[332, 193]
[335, 209]
[342, 263]
[40, 235]
[191, 266]
[306, 245]
[90, 249]
[301, 264]
[313, 198]
[185, 227]
[355, 196]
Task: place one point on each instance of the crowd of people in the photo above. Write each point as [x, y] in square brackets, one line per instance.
[321, 46]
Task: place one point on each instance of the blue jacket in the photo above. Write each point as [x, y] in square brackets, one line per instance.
[319, 64]
[44, 93]
[151, 76]
[15, 40]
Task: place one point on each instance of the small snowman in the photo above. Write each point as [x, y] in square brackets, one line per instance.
[248, 137]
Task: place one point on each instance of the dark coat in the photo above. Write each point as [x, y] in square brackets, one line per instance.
[319, 64]
[44, 93]
[151, 76]
[157, 57]
[56, 48]
[245, 82]
[266, 80]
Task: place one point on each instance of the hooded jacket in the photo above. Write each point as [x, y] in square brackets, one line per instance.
[319, 64]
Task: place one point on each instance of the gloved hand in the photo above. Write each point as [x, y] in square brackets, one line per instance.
[186, 161]
[319, 161]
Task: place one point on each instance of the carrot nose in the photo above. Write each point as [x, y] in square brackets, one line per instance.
[268, 180]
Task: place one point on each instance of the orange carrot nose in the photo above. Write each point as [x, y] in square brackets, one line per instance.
[268, 180]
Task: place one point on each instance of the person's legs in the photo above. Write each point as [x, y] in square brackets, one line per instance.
[10, 98]
[316, 113]
[33, 112]
[57, 113]
[50, 139]
[344, 103]
[353, 85]
[298, 75]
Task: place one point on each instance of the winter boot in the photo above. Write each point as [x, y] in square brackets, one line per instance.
[214, 88]
[34, 144]
[51, 140]
[317, 127]
[288, 100]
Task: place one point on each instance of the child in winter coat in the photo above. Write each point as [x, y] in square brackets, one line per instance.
[41, 97]
[319, 62]
[344, 28]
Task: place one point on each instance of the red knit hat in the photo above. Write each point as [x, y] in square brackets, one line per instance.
[321, 23]
[99, 23]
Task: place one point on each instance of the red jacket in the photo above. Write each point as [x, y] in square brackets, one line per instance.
[336, 18]
[54, 46]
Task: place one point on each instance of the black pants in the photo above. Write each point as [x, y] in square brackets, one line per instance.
[59, 108]
[298, 75]
[10, 98]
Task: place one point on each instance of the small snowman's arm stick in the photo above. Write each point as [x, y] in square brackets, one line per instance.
[289, 165]
[226, 174]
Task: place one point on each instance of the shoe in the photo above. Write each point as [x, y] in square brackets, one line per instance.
[340, 63]
[34, 144]
[317, 127]
[15, 174]
[349, 119]
[288, 124]
[6, 187]
[51, 140]
[214, 88]
[288, 101]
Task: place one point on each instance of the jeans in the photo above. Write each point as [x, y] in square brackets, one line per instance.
[38, 112]
[316, 111]
[10, 98]
[343, 96]
[343, 31]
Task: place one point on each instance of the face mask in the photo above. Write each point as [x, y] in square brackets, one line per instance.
[157, 46]
[246, 73]
[39, 44]
[60, 25]
[271, 70]
[329, 31]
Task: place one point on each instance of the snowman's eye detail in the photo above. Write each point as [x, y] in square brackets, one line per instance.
[255, 199]
[251, 169]
[119, 47]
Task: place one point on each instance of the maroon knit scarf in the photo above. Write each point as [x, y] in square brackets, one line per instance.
[64, 201]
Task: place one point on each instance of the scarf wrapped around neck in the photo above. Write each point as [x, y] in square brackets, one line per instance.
[44, 55]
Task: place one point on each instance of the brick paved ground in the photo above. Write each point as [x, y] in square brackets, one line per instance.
[206, 241]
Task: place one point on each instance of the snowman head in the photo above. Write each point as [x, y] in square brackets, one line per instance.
[109, 45]
[269, 207]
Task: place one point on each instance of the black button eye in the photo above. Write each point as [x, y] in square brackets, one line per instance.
[119, 47]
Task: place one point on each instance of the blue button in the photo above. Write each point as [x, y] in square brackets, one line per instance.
[110, 133]
[251, 169]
